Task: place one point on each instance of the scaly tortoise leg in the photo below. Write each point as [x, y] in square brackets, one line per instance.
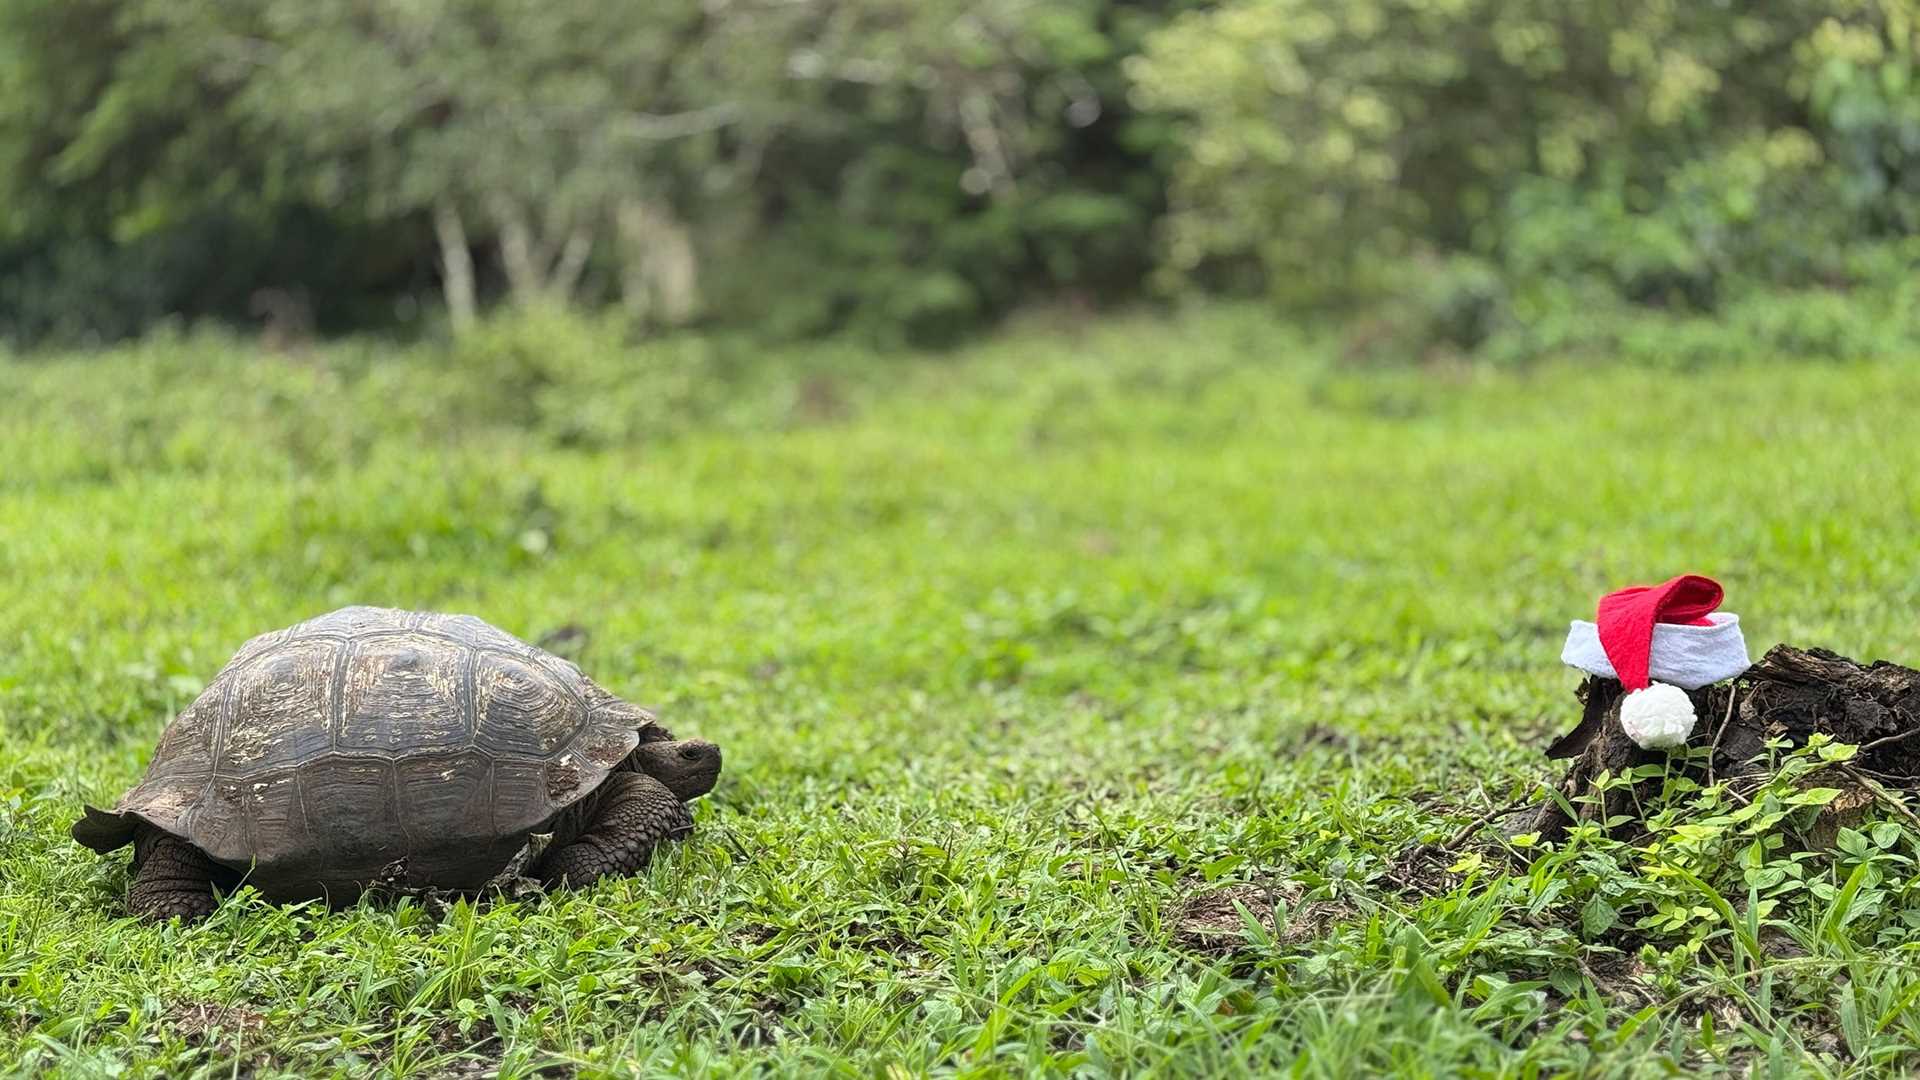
[171, 877]
[636, 813]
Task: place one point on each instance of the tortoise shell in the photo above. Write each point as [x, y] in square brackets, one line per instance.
[374, 744]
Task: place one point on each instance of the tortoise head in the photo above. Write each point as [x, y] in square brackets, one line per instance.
[688, 767]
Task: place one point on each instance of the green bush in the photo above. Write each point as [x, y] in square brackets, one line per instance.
[1329, 141]
[592, 381]
[1808, 324]
[1650, 178]
[1439, 309]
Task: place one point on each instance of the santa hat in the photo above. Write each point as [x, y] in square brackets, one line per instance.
[1669, 632]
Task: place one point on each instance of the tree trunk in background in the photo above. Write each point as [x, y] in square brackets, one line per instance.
[456, 267]
[540, 265]
[659, 274]
[573, 260]
[516, 251]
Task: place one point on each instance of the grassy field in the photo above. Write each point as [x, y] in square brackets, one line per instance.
[1084, 694]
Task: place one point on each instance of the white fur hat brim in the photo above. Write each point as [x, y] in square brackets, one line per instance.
[1689, 657]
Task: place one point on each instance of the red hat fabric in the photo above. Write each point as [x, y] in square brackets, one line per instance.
[1669, 632]
[1626, 619]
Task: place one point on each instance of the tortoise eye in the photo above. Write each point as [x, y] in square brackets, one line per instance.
[691, 753]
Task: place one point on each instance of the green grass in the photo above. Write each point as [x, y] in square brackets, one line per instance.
[1082, 694]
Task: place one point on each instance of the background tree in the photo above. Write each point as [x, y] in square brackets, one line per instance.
[1491, 173]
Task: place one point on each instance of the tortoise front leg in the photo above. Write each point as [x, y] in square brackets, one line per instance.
[171, 877]
[635, 813]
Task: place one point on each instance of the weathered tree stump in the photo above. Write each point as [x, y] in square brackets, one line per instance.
[1790, 694]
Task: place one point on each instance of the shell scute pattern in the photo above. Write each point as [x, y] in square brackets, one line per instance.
[278, 709]
[187, 746]
[522, 709]
[404, 694]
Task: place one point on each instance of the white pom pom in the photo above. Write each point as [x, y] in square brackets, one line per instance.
[1658, 717]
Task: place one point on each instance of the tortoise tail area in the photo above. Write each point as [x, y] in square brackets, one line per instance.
[104, 830]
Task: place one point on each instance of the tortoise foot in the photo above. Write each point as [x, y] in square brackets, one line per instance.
[172, 879]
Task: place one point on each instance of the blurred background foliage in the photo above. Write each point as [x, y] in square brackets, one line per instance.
[1507, 180]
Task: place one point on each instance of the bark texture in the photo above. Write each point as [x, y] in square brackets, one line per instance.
[1790, 693]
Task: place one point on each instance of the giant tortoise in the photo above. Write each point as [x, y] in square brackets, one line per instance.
[374, 746]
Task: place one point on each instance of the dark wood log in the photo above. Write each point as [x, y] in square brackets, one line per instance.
[1790, 694]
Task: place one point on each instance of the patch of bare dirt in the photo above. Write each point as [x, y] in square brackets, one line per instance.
[764, 1029]
[756, 934]
[1621, 976]
[1209, 922]
[884, 939]
[1331, 737]
[471, 1055]
[1422, 870]
[227, 1028]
